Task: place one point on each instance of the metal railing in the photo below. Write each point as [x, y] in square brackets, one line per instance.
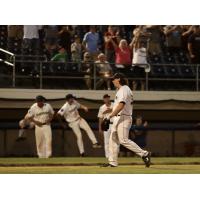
[78, 74]
[12, 64]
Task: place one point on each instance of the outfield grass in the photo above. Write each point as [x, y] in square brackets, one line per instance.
[91, 166]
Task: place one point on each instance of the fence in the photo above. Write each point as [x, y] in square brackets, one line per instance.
[39, 69]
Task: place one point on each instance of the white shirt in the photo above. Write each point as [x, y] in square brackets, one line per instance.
[124, 94]
[139, 56]
[70, 112]
[31, 31]
[41, 114]
[102, 109]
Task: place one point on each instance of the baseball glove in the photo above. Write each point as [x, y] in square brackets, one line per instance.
[105, 124]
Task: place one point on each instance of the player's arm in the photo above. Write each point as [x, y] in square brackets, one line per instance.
[100, 123]
[59, 118]
[119, 107]
[51, 115]
[84, 108]
[30, 117]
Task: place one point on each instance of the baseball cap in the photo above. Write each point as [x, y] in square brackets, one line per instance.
[40, 98]
[118, 75]
[69, 96]
[106, 96]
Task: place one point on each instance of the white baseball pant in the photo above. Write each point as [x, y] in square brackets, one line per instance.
[106, 135]
[43, 137]
[120, 135]
[76, 127]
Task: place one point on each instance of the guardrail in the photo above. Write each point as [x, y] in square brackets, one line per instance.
[12, 58]
[78, 74]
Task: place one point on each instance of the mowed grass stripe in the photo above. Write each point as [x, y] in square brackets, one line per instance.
[157, 169]
[94, 161]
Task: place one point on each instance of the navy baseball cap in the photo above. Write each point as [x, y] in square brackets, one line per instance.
[70, 96]
[106, 96]
[118, 75]
[40, 98]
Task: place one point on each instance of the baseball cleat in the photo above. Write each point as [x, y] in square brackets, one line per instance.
[107, 165]
[82, 155]
[20, 139]
[96, 146]
[147, 159]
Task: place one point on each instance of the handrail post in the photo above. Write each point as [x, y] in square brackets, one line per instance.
[197, 77]
[41, 83]
[14, 72]
[95, 78]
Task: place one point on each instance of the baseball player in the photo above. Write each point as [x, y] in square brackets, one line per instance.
[122, 121]
[70, 112]
[103, 113]
[23, 125]
[41, 114]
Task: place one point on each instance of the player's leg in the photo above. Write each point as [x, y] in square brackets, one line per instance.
[113, 148]
[84, 125]
[22, 125]
[106, 142]
[48, 140]
[76, 129]
[123, 135]
[39, 141]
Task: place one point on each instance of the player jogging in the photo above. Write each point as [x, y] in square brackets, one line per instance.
[103, 113]
[70, 112]
[41, 114]
[122, 121]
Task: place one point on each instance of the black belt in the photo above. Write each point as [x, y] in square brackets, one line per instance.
[111, 122]
[125, 115]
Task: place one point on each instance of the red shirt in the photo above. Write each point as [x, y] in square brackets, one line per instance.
[123, 57]
[109, 45]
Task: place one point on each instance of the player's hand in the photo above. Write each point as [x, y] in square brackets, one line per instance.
[86, 109]
[64, 126]
[109, 110]
[192, 56]
[38, 123]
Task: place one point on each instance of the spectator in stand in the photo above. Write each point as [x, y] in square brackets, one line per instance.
[61, 56]
[194, 45]
[31, 42]
[15, 37]
[186, 32]
[91, 42]
[104, 71]
[51, 39]
[64, 36]
[154, 41]
[76, 49]
[139, 58]
[173, 38]
[122, 54]
[87, 68]
[109, 48]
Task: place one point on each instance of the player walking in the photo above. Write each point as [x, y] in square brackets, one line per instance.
[70, 112]
[122, 121]
[103, 113]
[41, 114]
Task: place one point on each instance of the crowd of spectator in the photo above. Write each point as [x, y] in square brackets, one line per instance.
[110, 47]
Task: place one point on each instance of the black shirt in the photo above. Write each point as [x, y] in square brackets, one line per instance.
[194, 39]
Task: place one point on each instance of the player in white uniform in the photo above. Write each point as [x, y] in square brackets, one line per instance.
[103, 113]
[122, 121]
[41, 114]
[70, 112]
[23, 125]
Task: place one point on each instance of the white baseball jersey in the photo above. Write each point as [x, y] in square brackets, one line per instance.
[124, 94]
[70, 112]
[102, 109]
[40, 114]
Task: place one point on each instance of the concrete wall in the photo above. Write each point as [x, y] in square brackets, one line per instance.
[64, 144]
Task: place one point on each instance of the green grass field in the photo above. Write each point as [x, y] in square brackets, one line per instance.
[91, 165]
